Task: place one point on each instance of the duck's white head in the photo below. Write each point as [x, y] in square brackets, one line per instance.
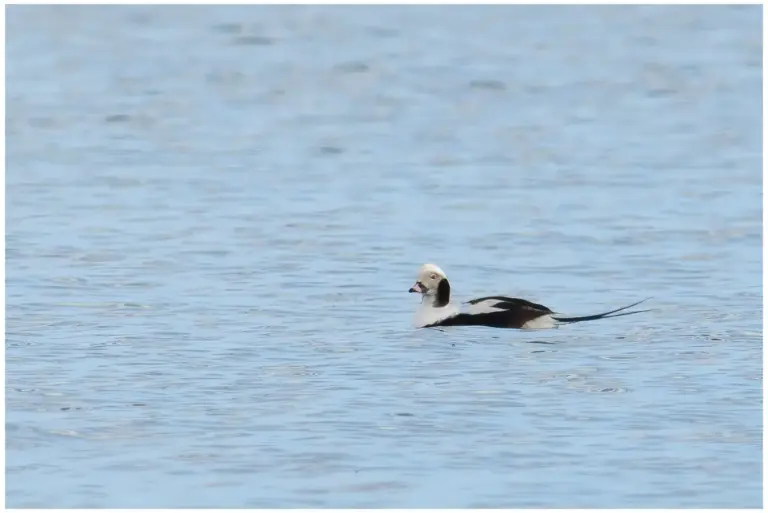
[432, 282]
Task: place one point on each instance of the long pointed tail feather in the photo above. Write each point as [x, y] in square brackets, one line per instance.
[604, 315]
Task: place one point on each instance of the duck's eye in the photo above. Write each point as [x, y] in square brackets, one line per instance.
[433, 276]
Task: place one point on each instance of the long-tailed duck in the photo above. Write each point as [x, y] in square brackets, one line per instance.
[437, 310]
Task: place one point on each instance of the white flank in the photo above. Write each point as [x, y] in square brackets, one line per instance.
[544, 322]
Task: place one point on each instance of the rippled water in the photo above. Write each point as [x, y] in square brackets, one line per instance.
[214, 214]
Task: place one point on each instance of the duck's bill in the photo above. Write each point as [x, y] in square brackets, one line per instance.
[417, 287]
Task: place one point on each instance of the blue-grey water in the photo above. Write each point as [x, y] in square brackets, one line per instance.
[214, 214]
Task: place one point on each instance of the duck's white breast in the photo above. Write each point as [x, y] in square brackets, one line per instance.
[427, 314]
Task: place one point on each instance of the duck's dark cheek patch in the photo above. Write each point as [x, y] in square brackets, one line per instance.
[443, 293]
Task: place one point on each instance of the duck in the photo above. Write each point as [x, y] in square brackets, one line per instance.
[438, 310]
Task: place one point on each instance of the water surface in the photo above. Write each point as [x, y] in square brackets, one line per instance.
[214, 214]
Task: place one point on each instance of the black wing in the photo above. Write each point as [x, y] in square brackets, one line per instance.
[511, 303]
